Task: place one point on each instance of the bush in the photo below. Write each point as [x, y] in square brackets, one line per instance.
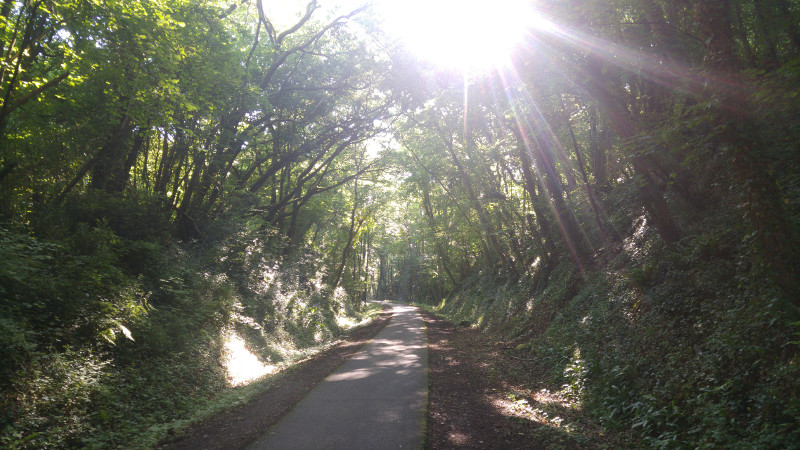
[683, 346]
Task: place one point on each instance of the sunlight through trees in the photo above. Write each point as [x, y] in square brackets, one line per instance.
[617, 180]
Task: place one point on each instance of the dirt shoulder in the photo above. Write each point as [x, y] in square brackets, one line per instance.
[484, 394]
[239, 427]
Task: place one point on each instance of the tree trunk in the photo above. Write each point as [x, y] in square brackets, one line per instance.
[597, 151]
[764, 209]
[605, 234]
[621, 120]
[426, 203]
[336, 277]
[495, 253]
[542, 153]
[530, 186]
[111, 171]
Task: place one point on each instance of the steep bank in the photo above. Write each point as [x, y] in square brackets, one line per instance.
[689, 345]
[176, 332]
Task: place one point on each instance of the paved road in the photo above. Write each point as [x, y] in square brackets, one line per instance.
[376, 400]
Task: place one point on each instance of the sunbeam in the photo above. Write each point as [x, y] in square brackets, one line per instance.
[532, 127]
[667, 72]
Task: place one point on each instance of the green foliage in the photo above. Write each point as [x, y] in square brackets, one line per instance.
[71, 292]
[65, 385]
[180, 178]
[55, 400]
[173, 171]
[696, 354]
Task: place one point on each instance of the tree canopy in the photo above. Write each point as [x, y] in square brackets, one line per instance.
[174, 171]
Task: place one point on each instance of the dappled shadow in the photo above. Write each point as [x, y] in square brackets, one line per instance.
[460, 414]
[240, 426]
[374, 400]
[473, 403]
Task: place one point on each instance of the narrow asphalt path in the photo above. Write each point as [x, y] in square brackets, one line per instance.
[376, 400]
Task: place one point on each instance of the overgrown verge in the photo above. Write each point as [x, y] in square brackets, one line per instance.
[690, 345]
[250, 410]
[113, 334]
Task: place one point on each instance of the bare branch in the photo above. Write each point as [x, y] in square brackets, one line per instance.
[285, 54]
[267, 23]
[310, 8]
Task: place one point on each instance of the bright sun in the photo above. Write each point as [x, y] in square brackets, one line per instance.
[470, 35]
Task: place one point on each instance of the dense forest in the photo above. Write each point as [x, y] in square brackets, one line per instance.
[620, 200]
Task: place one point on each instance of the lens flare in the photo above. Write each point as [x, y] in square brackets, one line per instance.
[470, 35]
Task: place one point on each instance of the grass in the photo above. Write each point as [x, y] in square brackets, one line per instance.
[234, 396]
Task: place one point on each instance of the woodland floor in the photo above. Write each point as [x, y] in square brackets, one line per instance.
[484, 394]
[481, 396]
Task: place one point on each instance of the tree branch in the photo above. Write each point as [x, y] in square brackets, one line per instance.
[285, 54]
[30, 95]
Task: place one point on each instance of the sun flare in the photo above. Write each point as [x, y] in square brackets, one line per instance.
[473, 35]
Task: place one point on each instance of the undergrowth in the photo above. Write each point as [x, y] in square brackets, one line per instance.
[146, 358]
[689, 346]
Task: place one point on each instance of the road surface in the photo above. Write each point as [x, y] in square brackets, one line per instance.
[376, 400]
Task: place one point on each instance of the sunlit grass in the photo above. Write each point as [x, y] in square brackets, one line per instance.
[346, 322]
[544, 409]
[241, 364]
[249, 377]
